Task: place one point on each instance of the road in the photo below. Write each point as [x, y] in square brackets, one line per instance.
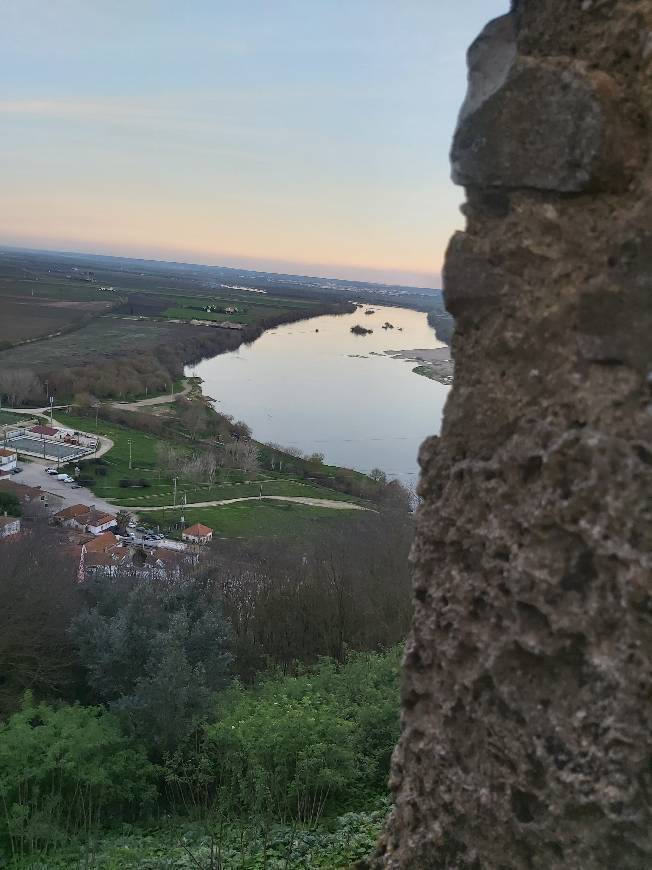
[311, 502]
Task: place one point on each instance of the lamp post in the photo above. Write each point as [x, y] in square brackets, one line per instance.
[129, 442]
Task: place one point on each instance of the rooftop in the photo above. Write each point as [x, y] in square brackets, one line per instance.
[198, 530]
[44, 430]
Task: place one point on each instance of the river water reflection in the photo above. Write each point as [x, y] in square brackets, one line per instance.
[316, 386]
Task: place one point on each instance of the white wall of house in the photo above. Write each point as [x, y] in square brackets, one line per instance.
[8, 463]
[97, 530]
[11, 528]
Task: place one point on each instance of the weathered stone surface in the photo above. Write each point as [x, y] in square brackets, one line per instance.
[551, 125]
[527, 698]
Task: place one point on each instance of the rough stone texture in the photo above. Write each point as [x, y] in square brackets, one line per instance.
[526, 726]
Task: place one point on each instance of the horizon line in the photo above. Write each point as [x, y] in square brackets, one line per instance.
[152, 259]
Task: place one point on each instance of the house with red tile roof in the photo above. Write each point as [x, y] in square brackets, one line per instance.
[34, 501]
[197, 534]
[103, 543]
[73, 517]
[99, 521]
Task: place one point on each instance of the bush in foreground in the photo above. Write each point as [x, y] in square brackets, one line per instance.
[64, 771]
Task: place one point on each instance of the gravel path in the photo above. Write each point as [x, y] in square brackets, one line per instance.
[311, 502]
[156, 400]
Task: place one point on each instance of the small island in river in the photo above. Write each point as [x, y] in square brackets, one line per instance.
[360, 330]
[434, 363]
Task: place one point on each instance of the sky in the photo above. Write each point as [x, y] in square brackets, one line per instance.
[307, 136]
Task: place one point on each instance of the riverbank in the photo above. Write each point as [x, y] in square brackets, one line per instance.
[318, 388]
[434, 363]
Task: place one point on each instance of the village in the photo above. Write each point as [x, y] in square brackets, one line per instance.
[98, 540]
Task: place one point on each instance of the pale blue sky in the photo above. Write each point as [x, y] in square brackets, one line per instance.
[299, 135]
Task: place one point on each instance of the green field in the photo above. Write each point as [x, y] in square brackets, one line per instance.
[7, 417]
[254, 519]
[160, 491]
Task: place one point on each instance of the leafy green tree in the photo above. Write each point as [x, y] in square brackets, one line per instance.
[155, 652]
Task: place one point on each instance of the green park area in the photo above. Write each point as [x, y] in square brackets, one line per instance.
[134, 475]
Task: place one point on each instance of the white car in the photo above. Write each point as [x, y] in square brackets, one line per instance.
[51, 471]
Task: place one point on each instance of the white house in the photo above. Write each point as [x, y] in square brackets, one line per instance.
[197, 534]
[7, 461]
[98, 522]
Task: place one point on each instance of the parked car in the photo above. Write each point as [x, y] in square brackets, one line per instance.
[76, 486]
[51, 471]
[61, 476]
[17, 470]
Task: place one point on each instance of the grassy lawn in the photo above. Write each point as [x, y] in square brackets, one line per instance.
[253, 519]
[229, 483]
[7, 417]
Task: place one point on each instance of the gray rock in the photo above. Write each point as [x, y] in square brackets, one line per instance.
[547, 124]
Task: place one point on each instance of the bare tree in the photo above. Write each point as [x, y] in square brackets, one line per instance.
[19, 384]
[242, 455]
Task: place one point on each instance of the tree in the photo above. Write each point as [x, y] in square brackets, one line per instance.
[38, 587]
[154, 652]
[123, 518]
[242, 455]
[19, 384]
[378, 476]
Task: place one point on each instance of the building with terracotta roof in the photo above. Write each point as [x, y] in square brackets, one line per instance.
[197, 534]
[103, 543]
[34, 501]
[99, 521]
[74, 516]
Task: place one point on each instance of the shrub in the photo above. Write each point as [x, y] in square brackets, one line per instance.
[65, 770]
[295, 747]
[85, 480]
[134, 483]
[10, 503]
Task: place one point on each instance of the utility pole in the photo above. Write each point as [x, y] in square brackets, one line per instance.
[174, 501]
[129, 442]
[51, 408]
[97, 411]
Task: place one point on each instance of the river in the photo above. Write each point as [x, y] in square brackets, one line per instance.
[316, 386]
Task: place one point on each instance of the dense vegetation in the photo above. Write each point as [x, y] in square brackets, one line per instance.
[250, 707]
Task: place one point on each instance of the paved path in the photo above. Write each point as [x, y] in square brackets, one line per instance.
[311, 502]
[155, 400]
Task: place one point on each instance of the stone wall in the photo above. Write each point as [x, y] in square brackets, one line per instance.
[527, 679]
